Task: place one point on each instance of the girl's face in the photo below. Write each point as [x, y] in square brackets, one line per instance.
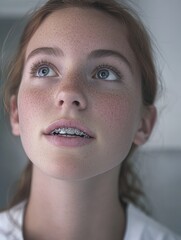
[79, 72]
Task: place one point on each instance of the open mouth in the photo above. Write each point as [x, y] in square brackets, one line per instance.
[69, 132]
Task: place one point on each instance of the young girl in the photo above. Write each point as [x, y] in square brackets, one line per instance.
[80, 93]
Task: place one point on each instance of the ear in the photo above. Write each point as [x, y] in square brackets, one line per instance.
[146, 125]
[14, 117]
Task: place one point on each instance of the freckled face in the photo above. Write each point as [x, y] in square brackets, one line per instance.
[75, 79]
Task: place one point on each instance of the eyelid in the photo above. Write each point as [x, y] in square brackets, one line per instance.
[41, 63]
[111, 68]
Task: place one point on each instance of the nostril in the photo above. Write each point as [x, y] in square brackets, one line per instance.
[76, 103]
[71, 99]
[61, 102]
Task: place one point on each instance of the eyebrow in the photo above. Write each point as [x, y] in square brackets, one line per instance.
[47, 51]
[107, 53]
[56, 51]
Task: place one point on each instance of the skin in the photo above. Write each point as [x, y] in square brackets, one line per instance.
[75, 189]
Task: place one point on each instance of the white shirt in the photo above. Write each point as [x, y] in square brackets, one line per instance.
[11, 223]
[139, 225]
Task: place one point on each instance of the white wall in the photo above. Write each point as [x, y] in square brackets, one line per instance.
[163, 18]
[16, 8]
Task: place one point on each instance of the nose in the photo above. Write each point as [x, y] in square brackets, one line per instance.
[71, 96]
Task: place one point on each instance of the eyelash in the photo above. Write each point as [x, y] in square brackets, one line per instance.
[35, 66]
[109, 67]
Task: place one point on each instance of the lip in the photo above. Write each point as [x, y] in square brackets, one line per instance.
[68, 123]
[60, 141]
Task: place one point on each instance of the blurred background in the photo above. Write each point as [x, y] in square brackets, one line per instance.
[159, 161]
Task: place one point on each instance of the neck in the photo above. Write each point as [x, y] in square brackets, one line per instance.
[74, 210]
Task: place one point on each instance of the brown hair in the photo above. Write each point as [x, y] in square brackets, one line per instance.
[139, 41]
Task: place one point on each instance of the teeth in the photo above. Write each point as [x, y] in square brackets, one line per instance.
[69, 132]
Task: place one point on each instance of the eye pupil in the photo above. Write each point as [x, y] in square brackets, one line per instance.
[43, 71]
[103, 74]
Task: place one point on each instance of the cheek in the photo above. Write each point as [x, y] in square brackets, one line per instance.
[33, 106]
[30, 101]
[118, 117]
[30, 105]
[118, 109]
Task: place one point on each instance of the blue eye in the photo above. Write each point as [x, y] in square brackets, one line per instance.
[42, 69]
[45, 71]
[104, 73]
[107, 73]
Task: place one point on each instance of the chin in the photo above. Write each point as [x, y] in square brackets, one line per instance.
[62, 168]
[71, 166]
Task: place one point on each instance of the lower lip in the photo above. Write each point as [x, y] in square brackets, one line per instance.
[68, 141]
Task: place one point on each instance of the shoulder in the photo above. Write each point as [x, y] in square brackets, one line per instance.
[11, 223]
[142, 227]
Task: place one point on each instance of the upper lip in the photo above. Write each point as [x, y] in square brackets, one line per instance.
[64, 123]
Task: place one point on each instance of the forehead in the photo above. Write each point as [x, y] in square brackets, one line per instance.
[76, 29]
